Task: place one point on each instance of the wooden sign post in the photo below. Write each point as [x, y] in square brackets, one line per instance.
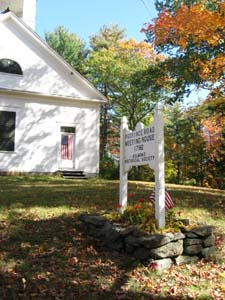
[144, 146]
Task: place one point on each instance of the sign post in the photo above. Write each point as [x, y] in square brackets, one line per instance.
[144, 146]
[123, 173]
[159, 169]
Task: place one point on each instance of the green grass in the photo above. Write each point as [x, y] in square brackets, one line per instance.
[43, 255]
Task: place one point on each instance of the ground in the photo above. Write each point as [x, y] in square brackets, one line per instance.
[44, 255]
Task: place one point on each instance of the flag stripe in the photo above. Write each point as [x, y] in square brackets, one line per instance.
[168, 200]
[67, 147]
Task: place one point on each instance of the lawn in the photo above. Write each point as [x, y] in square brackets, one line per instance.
[44, 255]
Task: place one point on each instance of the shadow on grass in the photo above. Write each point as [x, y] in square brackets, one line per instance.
[52, 259]
[44, 191]
[57, 192]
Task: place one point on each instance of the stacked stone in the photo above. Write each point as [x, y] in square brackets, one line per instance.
[161, 249]
[199, 241]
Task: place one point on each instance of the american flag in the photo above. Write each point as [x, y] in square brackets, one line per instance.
[168, 200]
[67, 147]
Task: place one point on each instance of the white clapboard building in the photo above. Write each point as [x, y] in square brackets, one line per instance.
[49, 113]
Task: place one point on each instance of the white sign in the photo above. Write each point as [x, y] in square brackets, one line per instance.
[144, 146]
[140, 147]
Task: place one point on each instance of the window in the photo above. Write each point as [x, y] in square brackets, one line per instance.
[7, 130]
[10, 66]
[66, 129]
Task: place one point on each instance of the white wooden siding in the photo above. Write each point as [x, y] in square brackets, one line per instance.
[37, 137]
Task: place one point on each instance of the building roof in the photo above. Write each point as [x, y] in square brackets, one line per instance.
[83, 84]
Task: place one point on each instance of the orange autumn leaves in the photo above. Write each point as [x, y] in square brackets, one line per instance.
[194, 26]
[213, 133]
[124, 58]
[213, 130]
[142, 49]
[195, 22]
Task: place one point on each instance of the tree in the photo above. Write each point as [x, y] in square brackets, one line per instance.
[192, 33]
[175, 140]
[185, 145]
[69, 46]
[123, 69]
[113, 68]
[108, 36]
[172, 5]
[195, 144]
[214, 134]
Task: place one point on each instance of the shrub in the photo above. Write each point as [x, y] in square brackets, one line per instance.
[109, 168]
[142, 173]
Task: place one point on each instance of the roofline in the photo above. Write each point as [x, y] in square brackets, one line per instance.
[44, 45]
[22, 93]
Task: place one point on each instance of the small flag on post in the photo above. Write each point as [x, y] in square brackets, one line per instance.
[168, 200]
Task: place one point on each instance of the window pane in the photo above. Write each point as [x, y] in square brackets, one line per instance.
[67, 129]
[7, 130]
[10, 66]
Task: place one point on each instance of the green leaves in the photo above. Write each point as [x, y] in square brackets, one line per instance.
[68, 45]
[122, 71]
[108, 36]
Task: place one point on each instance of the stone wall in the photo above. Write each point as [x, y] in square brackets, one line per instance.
[162, 250]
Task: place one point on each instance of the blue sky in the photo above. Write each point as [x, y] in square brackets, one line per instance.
[87, 16]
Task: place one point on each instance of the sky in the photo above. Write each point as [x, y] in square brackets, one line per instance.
[86, 17]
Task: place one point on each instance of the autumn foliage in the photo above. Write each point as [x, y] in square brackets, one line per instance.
[195, 34]
[190, 23]
[121, 72]
[192, 34]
